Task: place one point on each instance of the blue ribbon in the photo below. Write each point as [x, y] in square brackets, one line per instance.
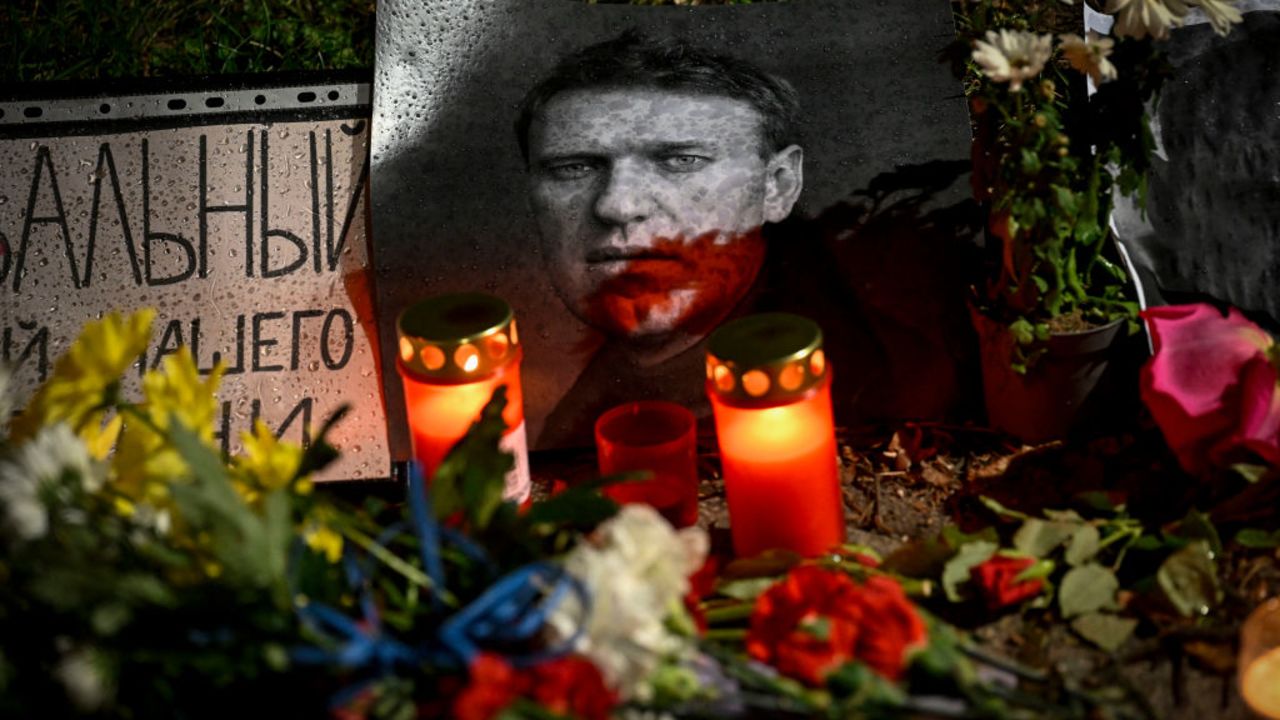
[511, 612]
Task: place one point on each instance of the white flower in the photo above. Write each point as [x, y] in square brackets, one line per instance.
[636, 569]
[1222, 14]
[40, 462]
[1140, 18]
[1012, 56]
[80, 674]
[1090, 56]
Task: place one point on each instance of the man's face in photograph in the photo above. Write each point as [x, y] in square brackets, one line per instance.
[650, 203]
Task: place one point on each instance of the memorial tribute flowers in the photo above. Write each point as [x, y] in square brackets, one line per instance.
[1050, 151]
[147, 575]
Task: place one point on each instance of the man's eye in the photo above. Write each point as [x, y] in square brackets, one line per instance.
[683, 163]
[571, 170]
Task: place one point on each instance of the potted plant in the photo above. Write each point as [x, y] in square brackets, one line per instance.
[1060, 125]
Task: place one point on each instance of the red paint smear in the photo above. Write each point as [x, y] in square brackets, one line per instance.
[645, 286]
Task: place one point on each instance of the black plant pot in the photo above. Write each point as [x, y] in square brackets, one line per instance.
[1085, 381]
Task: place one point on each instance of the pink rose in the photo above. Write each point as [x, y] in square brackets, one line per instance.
[1211, 386]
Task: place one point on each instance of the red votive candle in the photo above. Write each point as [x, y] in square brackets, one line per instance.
[770, 391]
[455, 350]
[659, 437]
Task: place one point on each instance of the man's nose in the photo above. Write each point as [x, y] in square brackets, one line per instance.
[626, 195]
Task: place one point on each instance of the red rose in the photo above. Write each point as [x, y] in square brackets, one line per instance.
[568, 686]
[998, 584]
[815, 620]
[1210, 385]
[891, 628]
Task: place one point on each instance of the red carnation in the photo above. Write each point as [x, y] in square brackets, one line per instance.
[569, 686]
[814, 620]
[892, 627]
[997, 581]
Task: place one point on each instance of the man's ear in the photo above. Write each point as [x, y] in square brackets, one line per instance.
[784, 178]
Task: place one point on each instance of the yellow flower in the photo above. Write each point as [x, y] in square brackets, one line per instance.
[266, 463]
[145, 462]
[324, 540]
[86, 378]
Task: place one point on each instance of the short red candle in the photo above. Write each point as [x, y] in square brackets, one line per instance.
[660, 437]
[455, 351]
[776, 433]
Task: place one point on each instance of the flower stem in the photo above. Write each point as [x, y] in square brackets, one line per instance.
[729, 613]
[388, 558]
[726, 634]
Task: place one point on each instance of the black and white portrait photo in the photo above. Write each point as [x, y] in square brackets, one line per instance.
[1211, 223]
[630, 178]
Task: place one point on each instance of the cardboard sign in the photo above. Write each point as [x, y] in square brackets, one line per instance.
[237, 213]
[615, 292]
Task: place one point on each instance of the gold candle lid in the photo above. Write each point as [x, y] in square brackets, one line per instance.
[458, 337]
[765, 359]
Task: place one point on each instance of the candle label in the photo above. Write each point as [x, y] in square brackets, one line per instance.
[519, 481]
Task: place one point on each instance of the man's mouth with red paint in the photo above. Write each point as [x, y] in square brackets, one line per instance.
[671, 284]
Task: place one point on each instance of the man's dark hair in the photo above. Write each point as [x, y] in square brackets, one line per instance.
[635, 60]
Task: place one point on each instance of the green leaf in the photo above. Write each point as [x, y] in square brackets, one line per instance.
[1197, 526]
[472, 477]
[919, 558]
[1022, 332]
[1251, 473]
[857, 686]
[746, 588]
[1067, 516]
[956, 571]
[1038, 538]
[1040, 570]
[1105, 630]
[581, 506]
[1255, 538]
[1087, 589]
[995, 507]
[942, 656]
[1189, 579]
[1083, 546]
[1099, 501]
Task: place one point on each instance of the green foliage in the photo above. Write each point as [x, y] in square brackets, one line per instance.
[1047, 160]
[91, 39]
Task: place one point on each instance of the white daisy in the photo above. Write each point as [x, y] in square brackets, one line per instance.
[1012, 56]
[39, 462]
[1140, 18]
[1222, 14]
